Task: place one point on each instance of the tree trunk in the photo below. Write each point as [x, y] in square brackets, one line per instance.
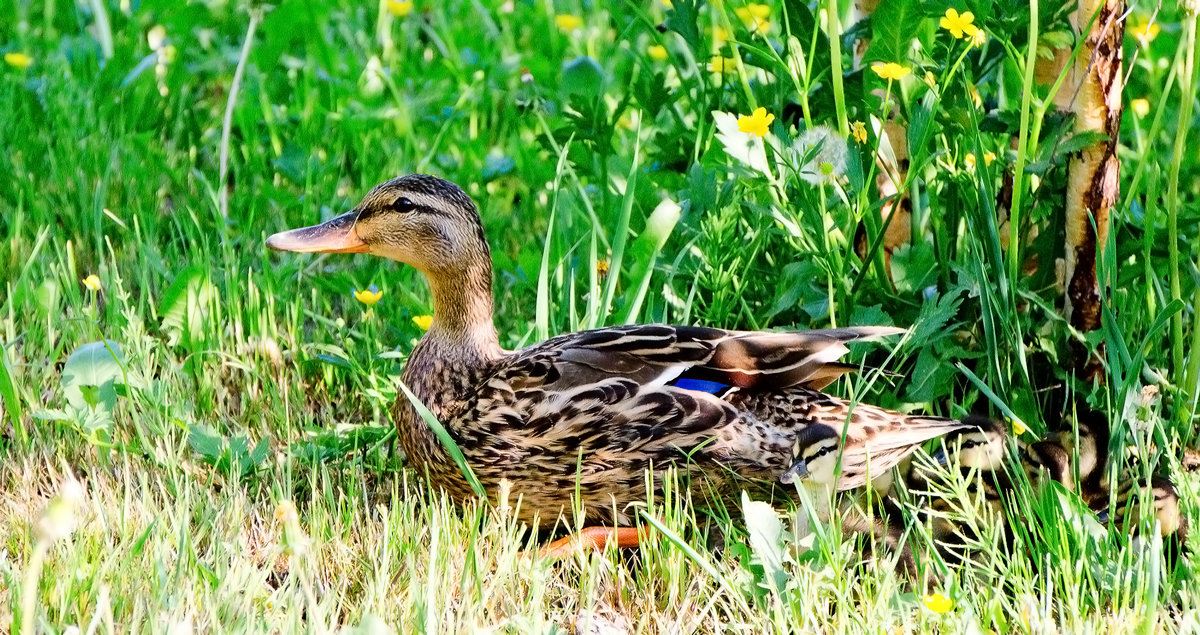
[1094, 88]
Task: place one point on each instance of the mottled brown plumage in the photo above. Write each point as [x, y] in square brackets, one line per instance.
[591, 412]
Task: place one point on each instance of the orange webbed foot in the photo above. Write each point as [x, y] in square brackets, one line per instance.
[594, 538]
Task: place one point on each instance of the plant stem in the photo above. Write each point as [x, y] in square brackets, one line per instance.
[227, 124]
[1014, 214]
[834, 32]
[1187, 79]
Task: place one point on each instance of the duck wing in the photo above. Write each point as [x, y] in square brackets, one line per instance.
[659, 355]
[884, 440]
[653, 393]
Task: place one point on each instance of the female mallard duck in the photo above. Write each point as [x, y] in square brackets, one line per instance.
[588, 413]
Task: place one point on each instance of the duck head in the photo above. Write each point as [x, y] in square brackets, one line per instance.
[432, 225]
[1090, 446]
[816, 453]
[982, 447]
[420, 220]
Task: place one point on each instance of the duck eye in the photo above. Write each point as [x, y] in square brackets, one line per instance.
[403, 205]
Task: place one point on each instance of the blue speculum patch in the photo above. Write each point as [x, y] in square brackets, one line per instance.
[700, 385]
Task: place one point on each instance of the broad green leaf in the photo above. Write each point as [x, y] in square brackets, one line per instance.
[766, 540]
[185, 306]
[914, 267]
[583, 76]
[206, 441]
[894, 25]
[95, 367]
[8, 393]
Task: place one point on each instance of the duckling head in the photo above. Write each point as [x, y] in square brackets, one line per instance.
[816, 455]
[1050, 457]
[420, 220]
[982, 447]
[1092, 447]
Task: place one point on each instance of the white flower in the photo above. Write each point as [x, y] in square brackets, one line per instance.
[61, 515]
[370, 83]
[743, 146]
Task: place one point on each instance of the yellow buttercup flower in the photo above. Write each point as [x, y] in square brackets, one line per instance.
[1019, 428]
[988, 157]
[1141, 107]
[756, 123]
[720, 36]
[938, 603]
[1144, 32]
[92, 283]
[720, 64]
[657, 52]
[969, 162]
[858, 130]
[368, 296]
[423, 322]
[399, 8]
[758, 11]
[754, 16]
[568, 22]
[890, 70]
[959, 25]
[978, 38]
[19, 61]
[930, 80]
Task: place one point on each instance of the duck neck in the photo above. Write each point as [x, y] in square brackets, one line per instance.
[462, 327]
[447, 362]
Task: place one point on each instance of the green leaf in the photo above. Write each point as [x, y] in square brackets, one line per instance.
[682, 18]
[447, 441]
[583, 76]
[185, 306]
[894, 24]
[8, 394]
[206, 441]
[90, 375]
[914, 267]
[334, 360]
[1080, 141]
[766, 540]
[936, 313]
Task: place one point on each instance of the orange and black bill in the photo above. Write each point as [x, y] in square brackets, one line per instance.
[334, 236]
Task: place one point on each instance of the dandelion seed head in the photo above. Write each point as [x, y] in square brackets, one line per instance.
[820, 154]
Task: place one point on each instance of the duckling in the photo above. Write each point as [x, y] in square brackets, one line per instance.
[816, 450]
[816, 455]
[981, 447]
[1047, 459]
[590, 412]
[1089, 444]
[958, 514]
[1165, 498]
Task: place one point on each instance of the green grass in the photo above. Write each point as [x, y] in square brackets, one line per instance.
[236, 458]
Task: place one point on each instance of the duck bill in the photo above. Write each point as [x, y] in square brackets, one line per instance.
[334, 236]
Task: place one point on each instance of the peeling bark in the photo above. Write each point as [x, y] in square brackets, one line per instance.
[1094, 86]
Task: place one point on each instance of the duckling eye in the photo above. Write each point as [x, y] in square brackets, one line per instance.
[403, 205]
